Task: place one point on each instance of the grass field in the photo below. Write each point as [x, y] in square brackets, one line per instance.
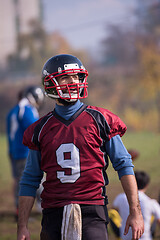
[148, 145]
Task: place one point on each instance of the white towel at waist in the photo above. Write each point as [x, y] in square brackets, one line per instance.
[72, 223]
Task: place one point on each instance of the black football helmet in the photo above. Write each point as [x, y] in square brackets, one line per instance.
[35, 95]
[61, 65]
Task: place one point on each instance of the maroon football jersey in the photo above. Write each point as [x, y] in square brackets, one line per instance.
[72, 154]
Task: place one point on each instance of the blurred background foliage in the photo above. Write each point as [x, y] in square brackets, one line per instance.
[125, 77]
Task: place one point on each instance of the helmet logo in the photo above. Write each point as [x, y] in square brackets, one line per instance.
[71, 66]
[59, 70]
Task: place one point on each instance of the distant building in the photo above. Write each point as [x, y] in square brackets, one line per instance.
[15, 18]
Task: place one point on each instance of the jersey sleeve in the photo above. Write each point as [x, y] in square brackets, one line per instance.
[117, 126]
[28, 136]
[109, 124]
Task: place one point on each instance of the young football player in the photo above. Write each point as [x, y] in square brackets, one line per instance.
[21, 116]
[71, 144]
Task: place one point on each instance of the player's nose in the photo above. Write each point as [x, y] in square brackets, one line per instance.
[72, 79]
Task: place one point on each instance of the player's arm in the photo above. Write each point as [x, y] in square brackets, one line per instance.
[32, 174]
[25, 206]
[119, 156]
[135, 219]
[29, 183]
[122, 163]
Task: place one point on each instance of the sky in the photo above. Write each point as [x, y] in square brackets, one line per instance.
[84, 23]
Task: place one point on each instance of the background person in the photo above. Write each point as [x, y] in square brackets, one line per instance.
[71, 145]
[150, 207]
[21, 116]
[134, 153]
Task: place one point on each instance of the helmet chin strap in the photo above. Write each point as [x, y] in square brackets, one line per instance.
[70, 100]
[67, 97]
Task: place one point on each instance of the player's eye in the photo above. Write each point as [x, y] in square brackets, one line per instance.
[64, 77]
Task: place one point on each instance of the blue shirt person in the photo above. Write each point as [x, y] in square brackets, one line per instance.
[21, 116]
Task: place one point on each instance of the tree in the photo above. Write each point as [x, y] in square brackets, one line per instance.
[149, 74]
[31, 48]
[119, 46]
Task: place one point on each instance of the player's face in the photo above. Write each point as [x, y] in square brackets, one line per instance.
[68, 79]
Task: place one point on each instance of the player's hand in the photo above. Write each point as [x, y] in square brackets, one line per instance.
[23, 234]
[135, 221]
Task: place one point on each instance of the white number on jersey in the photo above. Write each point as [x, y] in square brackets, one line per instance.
[72, 163]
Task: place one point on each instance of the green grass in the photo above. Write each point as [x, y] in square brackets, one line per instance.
[148, 145]
[8, 225]
[5, 171]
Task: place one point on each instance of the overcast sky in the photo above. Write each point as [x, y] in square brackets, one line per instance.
[83, 22]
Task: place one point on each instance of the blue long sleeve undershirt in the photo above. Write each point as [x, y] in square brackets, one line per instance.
[32, 175]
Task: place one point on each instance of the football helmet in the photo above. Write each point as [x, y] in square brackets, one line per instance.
[35, 95]
[60, 65]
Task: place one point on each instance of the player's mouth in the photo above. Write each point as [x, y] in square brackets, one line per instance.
[71, 89]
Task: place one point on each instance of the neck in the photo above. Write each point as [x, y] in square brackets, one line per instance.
[67, 111]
